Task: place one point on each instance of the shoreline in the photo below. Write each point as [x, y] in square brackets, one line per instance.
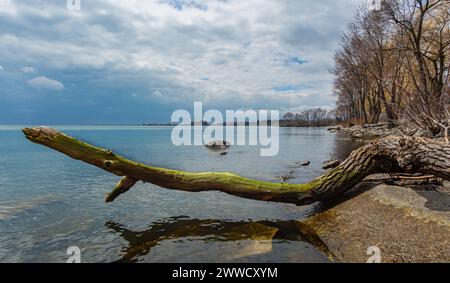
[408, 220]
[406, 225]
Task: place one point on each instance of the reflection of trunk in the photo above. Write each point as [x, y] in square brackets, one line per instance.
[140, 243]
[394, 154]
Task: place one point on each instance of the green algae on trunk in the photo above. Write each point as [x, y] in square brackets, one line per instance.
[392, 154]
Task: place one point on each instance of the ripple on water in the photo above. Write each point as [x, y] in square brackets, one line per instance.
[60, 202]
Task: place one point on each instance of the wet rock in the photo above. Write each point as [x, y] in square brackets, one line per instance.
[304, 163]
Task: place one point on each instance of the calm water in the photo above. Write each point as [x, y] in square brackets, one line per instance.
[49, 202]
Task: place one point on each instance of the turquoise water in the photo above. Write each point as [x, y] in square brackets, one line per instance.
[49, 202]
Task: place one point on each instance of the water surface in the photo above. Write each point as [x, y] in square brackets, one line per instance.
[49, 202]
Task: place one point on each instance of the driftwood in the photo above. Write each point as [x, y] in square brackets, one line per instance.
[387, 155]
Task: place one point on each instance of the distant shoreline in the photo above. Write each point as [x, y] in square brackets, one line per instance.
[140, 125]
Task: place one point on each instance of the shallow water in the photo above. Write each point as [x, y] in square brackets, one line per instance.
[49, 202]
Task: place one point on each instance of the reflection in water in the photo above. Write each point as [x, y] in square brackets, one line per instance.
[184, 229]
[36, 229]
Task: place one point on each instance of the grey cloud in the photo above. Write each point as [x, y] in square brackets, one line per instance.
[149, 47]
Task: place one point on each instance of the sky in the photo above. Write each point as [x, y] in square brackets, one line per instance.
[136, 61]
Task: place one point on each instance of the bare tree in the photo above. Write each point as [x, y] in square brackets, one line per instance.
[425, 26]
[396, 61]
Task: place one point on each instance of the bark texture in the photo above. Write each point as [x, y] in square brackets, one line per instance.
[388, 155]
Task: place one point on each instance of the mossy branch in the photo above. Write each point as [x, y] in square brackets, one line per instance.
[393, 154]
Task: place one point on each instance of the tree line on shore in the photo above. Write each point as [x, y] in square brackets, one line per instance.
[393, 65]
[314, 117]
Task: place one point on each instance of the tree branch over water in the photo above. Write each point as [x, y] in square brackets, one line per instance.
[388, 155]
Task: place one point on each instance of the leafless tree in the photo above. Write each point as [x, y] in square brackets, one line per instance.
[396, 61]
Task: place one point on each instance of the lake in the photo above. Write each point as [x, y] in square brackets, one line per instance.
[49, 202]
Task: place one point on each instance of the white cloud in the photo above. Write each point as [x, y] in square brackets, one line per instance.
[29, 70]
[241, 46]
[7, 7]
[45, 83]
[1, 68]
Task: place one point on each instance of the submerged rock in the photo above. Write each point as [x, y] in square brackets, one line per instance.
[10, 209]
[286, 178]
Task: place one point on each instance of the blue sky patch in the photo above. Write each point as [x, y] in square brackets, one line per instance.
[295, 61]
[289, 88]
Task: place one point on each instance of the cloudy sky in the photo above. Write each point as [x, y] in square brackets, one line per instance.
[137, 61]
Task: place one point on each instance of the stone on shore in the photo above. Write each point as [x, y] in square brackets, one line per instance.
[369, 132]
[408, 226]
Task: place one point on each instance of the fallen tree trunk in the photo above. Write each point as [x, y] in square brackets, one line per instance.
[388, 155]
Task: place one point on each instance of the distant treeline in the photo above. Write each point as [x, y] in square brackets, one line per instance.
[393, 65]
[316, 117]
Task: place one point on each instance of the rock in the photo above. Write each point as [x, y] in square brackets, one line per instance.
[301, 163]
[408, 226]
[331, 164]
[224, 153]
[373, 126]
[334, 129]
[286, 178]
[218, 145]
[357, 135]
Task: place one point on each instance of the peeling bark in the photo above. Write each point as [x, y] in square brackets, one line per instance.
[387, 155]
